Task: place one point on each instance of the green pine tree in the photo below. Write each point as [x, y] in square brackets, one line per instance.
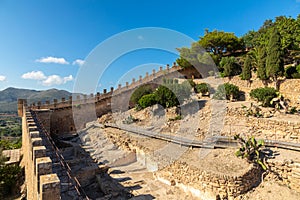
[274, 59]
[261, 64]
[246, 73]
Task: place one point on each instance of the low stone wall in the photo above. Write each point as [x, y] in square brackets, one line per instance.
[290, 88]
[190, 179]
[280, 130]
[288, 171]
[274, 128]
[208, 184]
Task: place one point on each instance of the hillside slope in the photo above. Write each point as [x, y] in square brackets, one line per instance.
[9, 97]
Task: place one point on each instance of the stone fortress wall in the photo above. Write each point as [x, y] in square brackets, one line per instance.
[68, 112]
[58, 118]
[41, 182]
[47, 175]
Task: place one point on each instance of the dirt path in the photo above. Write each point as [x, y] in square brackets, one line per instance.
[270, 190]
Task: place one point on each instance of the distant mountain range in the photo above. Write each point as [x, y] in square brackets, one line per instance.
[9, 97]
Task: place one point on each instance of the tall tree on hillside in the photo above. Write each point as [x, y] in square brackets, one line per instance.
[274, 60]
[263, 34]
[196, 57]
[249, 39]
[182, 61]
[230, 66]
[289, 31]
[219, 43]
[246, 73]
[261, 64]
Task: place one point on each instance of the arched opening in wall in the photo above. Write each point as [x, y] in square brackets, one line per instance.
[56, 131]
[71, 128]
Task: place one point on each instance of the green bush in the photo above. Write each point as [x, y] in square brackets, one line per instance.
[227, 90]
[296, 76]
[9, 174]
[202, 88]
[6, 144]
[168, 95]
[293, 110]
[139, 92]
[130, 119]
[298, 69]
[178, 117]
[165, 97]
[211, 73]
[290, 71]
[230, 67]
[147, 100]
[192, 83]
[264, 95]
[182, 91]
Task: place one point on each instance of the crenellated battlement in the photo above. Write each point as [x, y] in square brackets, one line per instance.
[45, 166]
[61, 115]
[40, 180]
[98, 97]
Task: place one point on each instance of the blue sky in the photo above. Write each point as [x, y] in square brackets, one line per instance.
[43, 43]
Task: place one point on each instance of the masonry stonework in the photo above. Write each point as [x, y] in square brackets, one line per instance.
[60, 118]
[35, 160]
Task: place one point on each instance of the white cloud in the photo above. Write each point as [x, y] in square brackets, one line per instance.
[46, 80]
[2, 78]
[56, 80]
[51, 59]
[35, 75]
[78, 62]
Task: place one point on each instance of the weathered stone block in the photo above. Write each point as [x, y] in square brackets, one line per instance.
[49, 187]
[32, 128]
[43, 166]
[34, 134]
[37, 141]
[39, 152]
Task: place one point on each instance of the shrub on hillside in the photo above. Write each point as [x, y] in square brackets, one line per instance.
[202, 88]
[192, 83]
[147, 100]
[230, 67]
[170, 94]
[139, 92]
[290, 72]
[296, 76]
[298, 68]
[166, 97]
[264, 95]
[9, 175]
[211, 73]
[227, 91]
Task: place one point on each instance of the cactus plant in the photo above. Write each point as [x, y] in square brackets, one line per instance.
[251, 150]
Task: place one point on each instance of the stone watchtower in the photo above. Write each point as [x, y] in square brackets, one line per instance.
[22, 103]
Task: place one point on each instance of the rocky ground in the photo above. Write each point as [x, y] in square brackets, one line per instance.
[134, 177]
[270, 190]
